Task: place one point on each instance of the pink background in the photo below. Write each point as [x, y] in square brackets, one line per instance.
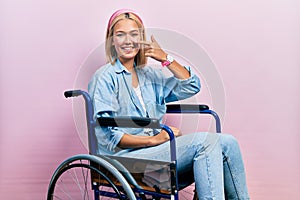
[255, 46]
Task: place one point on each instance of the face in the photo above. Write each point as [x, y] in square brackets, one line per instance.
[126, 36]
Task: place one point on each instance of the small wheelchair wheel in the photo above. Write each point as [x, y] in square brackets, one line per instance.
[74, 179]
[188, 193]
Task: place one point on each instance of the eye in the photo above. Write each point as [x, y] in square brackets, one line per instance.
[120, 35]
[134, 34]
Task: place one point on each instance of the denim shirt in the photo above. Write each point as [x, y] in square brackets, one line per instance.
[111, 91]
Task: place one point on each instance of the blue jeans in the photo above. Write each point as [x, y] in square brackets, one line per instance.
[214, 158]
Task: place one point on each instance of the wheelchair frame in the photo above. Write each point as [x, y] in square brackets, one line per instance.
[92, 161]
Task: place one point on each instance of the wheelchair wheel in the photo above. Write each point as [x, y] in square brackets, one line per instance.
[75, 179]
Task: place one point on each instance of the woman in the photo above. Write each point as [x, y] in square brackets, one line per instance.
[126, 86]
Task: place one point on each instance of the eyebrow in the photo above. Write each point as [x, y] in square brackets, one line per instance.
[135, 30]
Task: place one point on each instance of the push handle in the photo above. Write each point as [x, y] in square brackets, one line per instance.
[72, 93]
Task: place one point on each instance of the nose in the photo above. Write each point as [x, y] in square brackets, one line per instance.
[128, 39]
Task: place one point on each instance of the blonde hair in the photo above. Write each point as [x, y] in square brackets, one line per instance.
[111, 54]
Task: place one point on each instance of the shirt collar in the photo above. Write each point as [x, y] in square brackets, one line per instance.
[119, 68]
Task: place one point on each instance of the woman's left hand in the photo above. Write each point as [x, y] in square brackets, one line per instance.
[153, 50]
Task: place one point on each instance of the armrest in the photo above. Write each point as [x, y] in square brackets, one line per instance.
[140, 122]
[132, 122]
[194, 108]
[186, 108]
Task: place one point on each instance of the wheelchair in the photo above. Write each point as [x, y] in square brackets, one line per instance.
[92, 176]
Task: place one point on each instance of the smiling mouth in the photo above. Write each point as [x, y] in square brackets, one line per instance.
[128, 48]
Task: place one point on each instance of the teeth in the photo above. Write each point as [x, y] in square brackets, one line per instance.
[127, 47]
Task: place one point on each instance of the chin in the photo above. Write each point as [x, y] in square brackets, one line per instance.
[129, 56]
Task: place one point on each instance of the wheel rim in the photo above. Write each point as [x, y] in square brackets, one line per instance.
[74, 181]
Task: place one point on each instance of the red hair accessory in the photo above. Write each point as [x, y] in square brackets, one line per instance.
[122, 11]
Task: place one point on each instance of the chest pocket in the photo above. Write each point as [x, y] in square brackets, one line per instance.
[156, 110]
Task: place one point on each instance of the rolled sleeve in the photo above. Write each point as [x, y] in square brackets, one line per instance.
[108, 137]
[103, 95]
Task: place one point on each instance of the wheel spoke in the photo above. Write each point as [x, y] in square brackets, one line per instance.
[74, 181]
[63, 188]
[86, 193]
[74, 176]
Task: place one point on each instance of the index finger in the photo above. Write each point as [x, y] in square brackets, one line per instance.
[144, 42]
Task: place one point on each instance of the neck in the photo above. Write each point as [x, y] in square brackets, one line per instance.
[129, 64]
